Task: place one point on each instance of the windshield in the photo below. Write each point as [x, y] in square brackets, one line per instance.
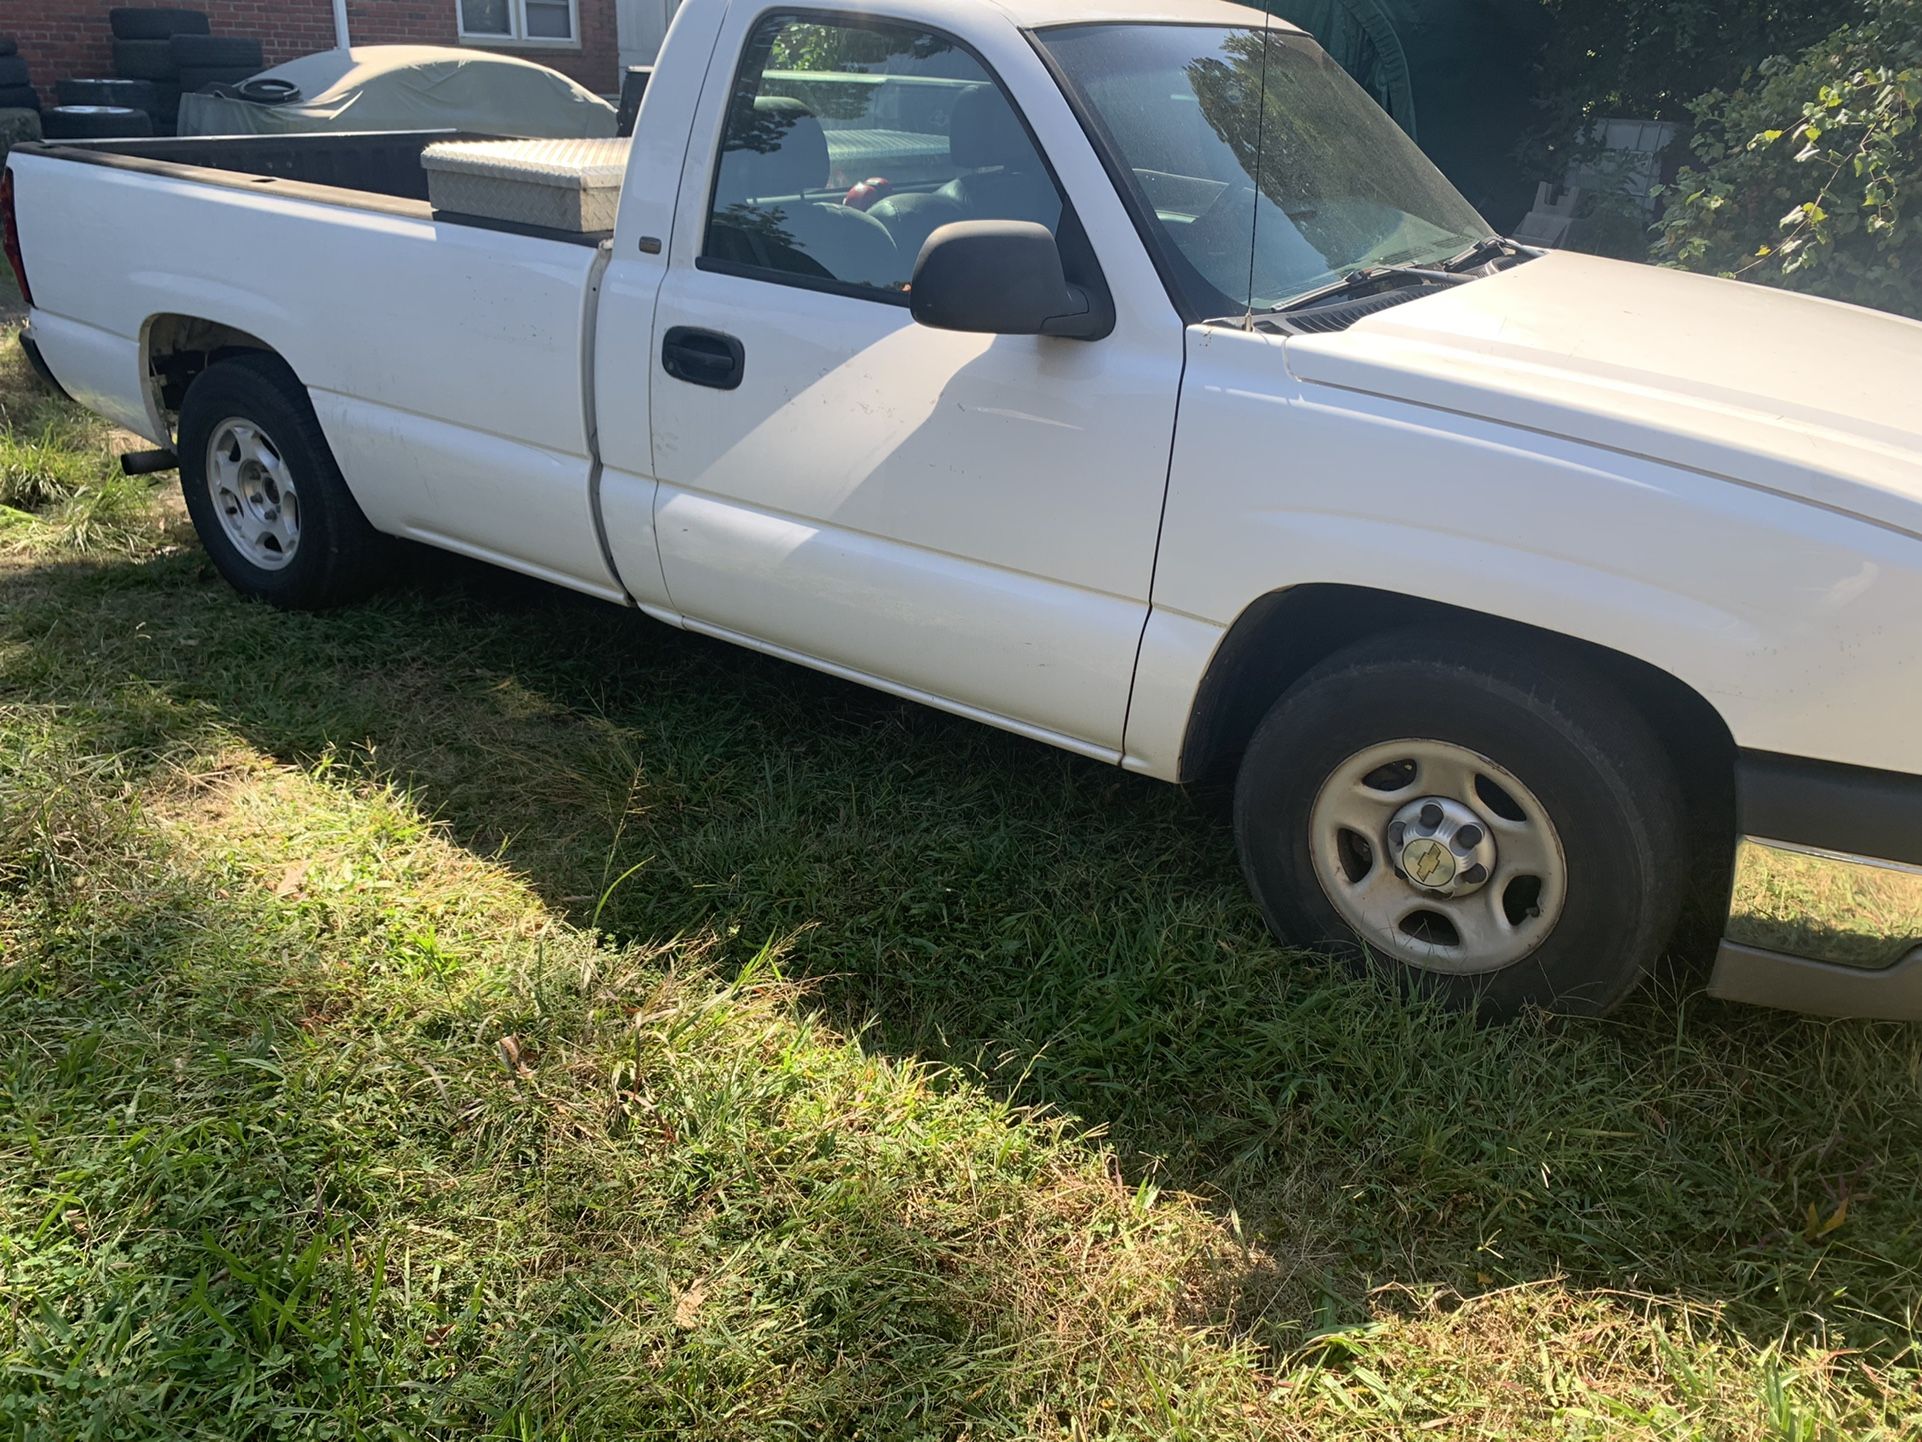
[1267, 171]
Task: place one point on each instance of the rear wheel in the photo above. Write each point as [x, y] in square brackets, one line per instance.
[1481, 821]
[263, 490]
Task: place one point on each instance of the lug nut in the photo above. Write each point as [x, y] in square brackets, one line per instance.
[1468, 838]
[1431, 816]
[1475, 875]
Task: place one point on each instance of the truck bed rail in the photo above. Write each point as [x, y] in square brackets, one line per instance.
[373, 162]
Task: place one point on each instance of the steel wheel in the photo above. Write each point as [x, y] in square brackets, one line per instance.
[265, 494]
[1422, 859]
[253, 492]
[1433, 853]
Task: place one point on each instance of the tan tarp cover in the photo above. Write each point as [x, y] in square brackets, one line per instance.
[410, 87]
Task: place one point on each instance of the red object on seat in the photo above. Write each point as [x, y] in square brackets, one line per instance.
[868, 192]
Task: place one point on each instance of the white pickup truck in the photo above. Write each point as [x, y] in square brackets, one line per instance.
[1114, 372]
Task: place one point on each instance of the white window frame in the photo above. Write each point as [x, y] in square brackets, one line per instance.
[519, 39]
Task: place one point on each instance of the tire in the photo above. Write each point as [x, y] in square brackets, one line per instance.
[13, 71]
[1556, 768]
[268, 90]
[133, 94]
[94, 122]
[144, 60]
[335, 555]
[19, 97]
[195, 80]
[214, 52]
[130, 23]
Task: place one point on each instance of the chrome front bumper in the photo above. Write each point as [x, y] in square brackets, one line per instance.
[1821, 931]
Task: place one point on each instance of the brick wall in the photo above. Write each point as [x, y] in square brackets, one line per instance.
[62, 38]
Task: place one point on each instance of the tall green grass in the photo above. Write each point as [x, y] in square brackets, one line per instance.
[485, 1014]
[61, 487]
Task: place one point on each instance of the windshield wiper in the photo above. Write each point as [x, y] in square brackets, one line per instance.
[1452, 271]
[1367, 276]
[1354, 280]
[1361, 280]
[1482, 252]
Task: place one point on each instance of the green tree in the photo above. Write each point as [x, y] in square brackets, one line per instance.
[1649, 59]
[1809, 176]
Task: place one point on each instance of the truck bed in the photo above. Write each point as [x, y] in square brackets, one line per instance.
[371, 170]
[417, 334]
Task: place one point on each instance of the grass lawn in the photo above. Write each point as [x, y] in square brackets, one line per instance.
[482, 1013]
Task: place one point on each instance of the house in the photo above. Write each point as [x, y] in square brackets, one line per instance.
[591, 40]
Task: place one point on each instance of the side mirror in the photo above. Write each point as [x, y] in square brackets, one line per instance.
[1001, 277]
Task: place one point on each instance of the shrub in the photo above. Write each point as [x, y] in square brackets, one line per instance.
[1647, 59]
[1809, 177]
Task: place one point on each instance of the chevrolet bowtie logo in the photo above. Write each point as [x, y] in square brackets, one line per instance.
[1428, 862]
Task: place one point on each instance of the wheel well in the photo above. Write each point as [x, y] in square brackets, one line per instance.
[1285, 634]
[180, 347]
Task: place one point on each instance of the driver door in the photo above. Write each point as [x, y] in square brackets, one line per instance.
[968, 519]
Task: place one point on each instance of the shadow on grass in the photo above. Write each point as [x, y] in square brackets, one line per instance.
[277, 1172]
[1070, 934]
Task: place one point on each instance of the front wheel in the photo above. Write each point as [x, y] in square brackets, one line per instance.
[1482, 821]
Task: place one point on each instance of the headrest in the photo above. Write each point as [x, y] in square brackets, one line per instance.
[983, 131]
[778, 149]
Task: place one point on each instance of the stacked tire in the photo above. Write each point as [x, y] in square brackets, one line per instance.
[143, 49]
[177, 51]
[145, 95]
[159, 53]
[19, 101]
[16, 89]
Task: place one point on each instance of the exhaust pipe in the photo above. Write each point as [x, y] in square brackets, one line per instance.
[148, 463]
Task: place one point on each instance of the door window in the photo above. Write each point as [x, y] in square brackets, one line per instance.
[847, 144]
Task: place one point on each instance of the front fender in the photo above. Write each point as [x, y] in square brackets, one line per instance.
[1800, 626]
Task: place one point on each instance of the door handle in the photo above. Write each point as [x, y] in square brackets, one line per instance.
[703, 357]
